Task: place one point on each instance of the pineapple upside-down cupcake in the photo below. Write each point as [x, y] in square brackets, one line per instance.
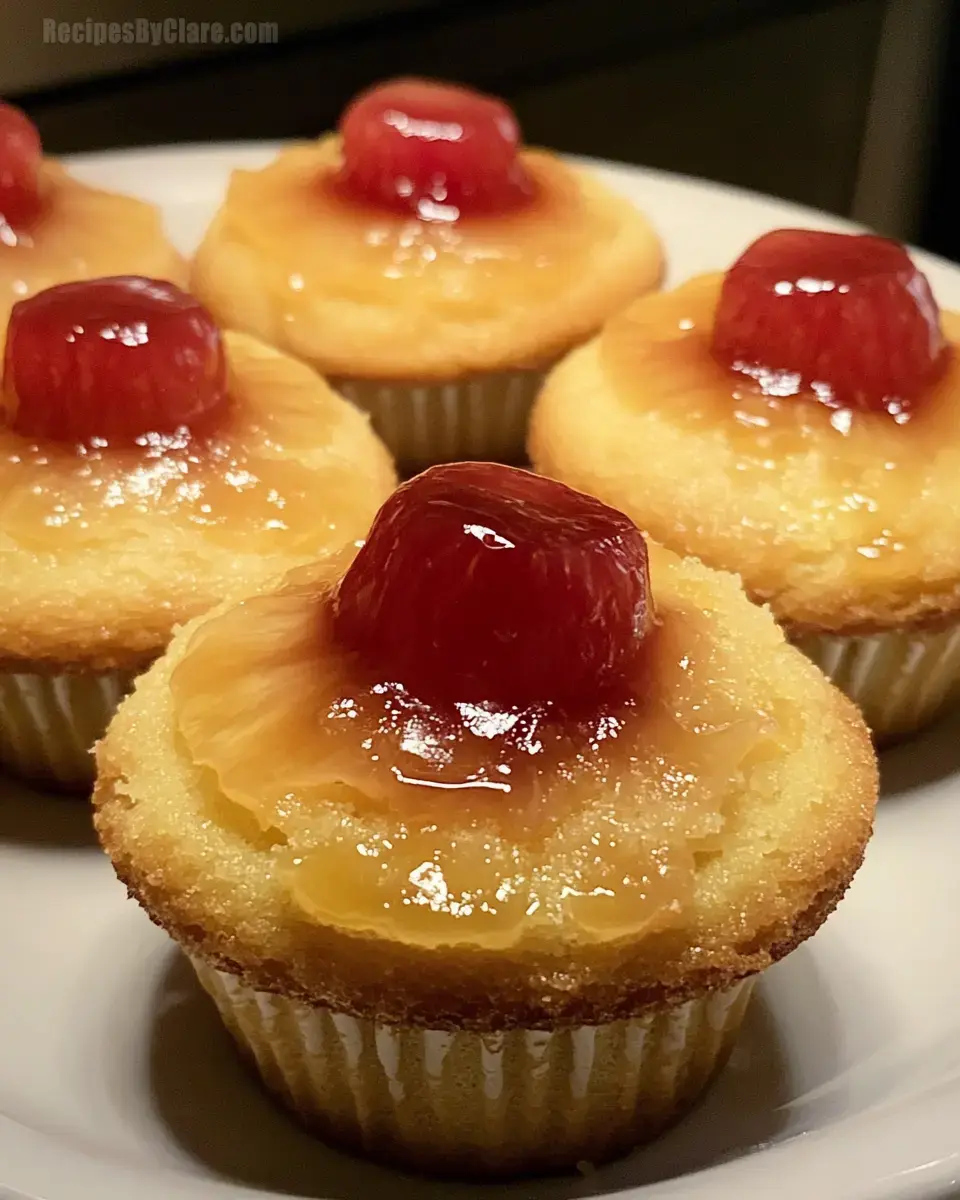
[149, 466]
[479, 839]
[54, 229]
[804, 408]
[427, 264]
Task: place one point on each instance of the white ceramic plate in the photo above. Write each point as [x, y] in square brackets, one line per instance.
[117, 1083]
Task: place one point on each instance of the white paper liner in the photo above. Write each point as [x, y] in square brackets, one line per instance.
[459, 1103]
[49, 724]
[483, 417]
[901, 681]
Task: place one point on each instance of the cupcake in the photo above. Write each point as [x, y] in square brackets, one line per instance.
[149, 466]
[428, 265]
[479, 839]
[54, 229]
[804, 410]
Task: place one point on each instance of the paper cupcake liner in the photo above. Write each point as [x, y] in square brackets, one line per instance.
[901, 681]
[483, 417]
[49, 724]
[459, 1103]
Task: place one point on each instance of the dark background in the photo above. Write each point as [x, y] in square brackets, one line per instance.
[851, 106]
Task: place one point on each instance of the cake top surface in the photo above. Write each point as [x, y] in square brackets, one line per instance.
[366, 290]
[107, 545]
[842, 519]
[733, 791]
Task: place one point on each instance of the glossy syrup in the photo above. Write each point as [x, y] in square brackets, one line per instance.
[468, 821]
[468, 269]
[840, 478]
[239, 483]
[83, 233]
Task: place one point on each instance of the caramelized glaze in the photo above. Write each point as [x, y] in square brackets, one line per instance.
[467, 823]
[315, 241]
[240, 482]
[834, 478]
[82, 233]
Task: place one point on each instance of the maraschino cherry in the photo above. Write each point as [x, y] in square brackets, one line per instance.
[437, 150]
[20, 157]
[116, 358]
[485, 583]
[845, 317]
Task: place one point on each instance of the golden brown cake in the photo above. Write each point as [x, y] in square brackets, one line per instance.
[837, 503]
[112, 533]
[483, 888]
[54, 229]
[426, 265]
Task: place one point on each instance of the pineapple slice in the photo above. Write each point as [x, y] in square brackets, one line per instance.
[84, 233]
[793, 480]
[359, 254]
[439, 824]
[293, 469]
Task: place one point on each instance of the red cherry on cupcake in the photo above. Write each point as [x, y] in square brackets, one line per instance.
[433, 148]
[20, 157]
[846, 316]
[486, 583]
[114, 358]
